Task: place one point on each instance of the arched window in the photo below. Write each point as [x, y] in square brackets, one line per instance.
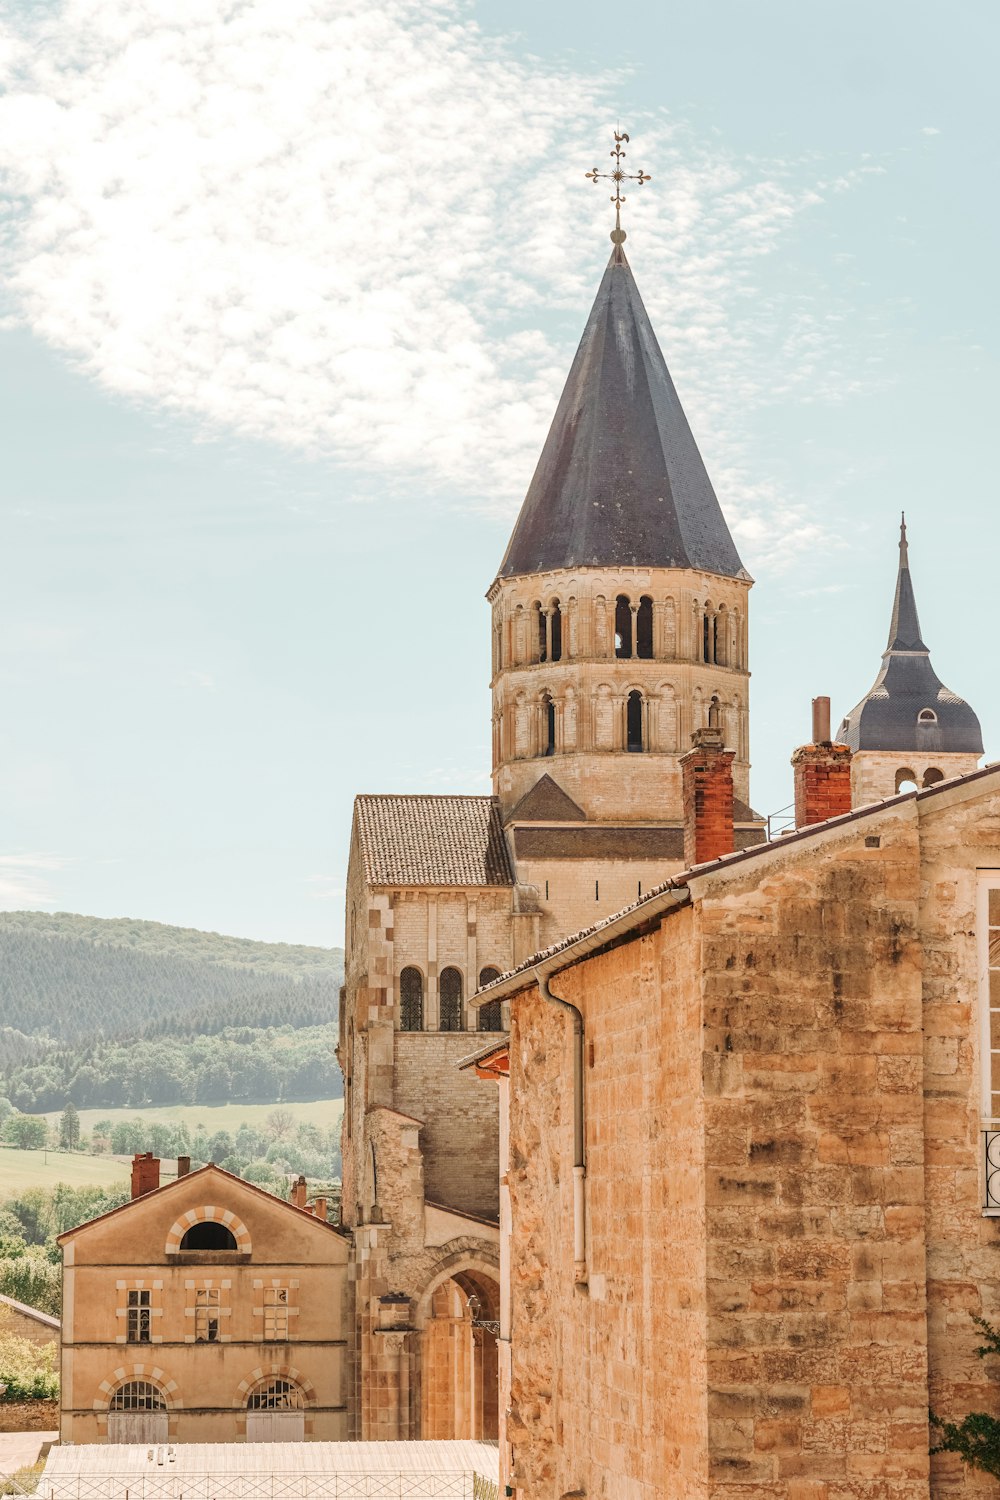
[539, 614]
[906, 780]
[644, 628]
[623, 626]
[208, 1235]
[708, 634]
[411, 1000]
[548, 725]
[932, 776]
[490, 1015]
[722, 637]
[555, 630]
[451, 1000]
[927, 716]
[138, 1395]
[633, 721]
[275, 1394]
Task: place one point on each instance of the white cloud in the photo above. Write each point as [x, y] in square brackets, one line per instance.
[929, 130]
[24, 880]
[337, 226]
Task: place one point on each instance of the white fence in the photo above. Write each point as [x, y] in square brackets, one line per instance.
[384, 1485]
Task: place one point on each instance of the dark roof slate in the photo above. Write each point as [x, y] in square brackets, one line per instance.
[888, 716]
[546, 802]
[432, 841]
[620, 481]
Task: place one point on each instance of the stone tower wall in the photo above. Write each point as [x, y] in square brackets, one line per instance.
[589, 684]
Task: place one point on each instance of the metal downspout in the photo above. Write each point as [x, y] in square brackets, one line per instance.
[579, 1162]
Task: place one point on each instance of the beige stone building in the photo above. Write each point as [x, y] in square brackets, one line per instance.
[619, 627]
[788, 1109]
[205, 1310]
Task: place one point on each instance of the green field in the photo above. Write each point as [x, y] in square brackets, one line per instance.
[325, 1113]
[24, 1169]
[44, 1169]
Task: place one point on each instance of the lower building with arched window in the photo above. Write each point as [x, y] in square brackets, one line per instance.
[204, 1310]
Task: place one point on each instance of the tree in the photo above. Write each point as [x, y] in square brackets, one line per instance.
[29, 1132]
[976, 1439]
[69, 1127]
[280, 1123]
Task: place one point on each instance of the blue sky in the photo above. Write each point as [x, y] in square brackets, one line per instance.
[290, 293]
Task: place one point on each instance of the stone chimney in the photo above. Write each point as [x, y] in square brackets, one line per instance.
[319, 1208]
[183, 1166]
[707, 787]
[299, 1192]
[822, 773]
[145, 1174]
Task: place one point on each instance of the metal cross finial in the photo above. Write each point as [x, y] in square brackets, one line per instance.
[618, 176]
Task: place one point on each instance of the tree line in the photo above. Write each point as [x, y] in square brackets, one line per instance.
[250, 1065]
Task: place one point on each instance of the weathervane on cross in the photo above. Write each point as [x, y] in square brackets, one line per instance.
[618, 175]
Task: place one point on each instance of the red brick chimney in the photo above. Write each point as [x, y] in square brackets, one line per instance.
[822, 773]
[319, 1208]
[183, 1166]
[707, 786]
[145, 1174]
[299, 1192]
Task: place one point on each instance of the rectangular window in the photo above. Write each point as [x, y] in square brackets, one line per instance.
[276, 1314]
[138, 1317]
[206, 1315]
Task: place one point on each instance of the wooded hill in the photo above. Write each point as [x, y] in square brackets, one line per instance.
[120, 1012]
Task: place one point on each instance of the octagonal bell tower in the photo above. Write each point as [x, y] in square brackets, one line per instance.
[620, 607]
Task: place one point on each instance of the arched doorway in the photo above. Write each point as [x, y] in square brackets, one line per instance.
[458, 1357]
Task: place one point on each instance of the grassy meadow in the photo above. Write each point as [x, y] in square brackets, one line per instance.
[45, 1169]
[325, 1113]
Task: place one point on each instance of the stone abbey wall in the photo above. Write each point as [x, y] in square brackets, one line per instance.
[785, 1230]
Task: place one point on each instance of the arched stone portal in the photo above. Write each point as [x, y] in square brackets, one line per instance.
[458, 1356]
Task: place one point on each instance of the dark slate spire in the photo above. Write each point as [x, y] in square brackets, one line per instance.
[904, 627]
[620, 481]
[909, 708]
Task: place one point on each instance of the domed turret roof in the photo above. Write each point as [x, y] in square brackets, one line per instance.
[620, 481]
[908, 707]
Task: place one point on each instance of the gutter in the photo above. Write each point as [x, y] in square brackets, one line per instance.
[541, 974]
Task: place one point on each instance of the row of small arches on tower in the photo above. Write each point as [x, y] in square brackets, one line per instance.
[549, 630]
[451, 1001]
[635, 721]
[907, 780]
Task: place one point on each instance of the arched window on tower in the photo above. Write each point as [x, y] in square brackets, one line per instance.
[722, 637]
[932, 776]
[411, 1000]
[555, 630]
[623, 626]
[708, 634]
[633, 721]
[906, 780]
[490, 1014]
[539, 615]
[644, 628]
[548, 725]
[927, 716]
[451, 1000]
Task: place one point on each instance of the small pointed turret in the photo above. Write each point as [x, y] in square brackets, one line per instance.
[904, 627]
[908, 710]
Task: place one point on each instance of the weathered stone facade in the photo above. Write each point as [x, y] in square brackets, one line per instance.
[205, 1311]
[787, 1072]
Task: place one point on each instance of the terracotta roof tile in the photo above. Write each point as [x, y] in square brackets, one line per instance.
[432, 841]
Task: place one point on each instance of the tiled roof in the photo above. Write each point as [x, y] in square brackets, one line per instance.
[432, 841]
